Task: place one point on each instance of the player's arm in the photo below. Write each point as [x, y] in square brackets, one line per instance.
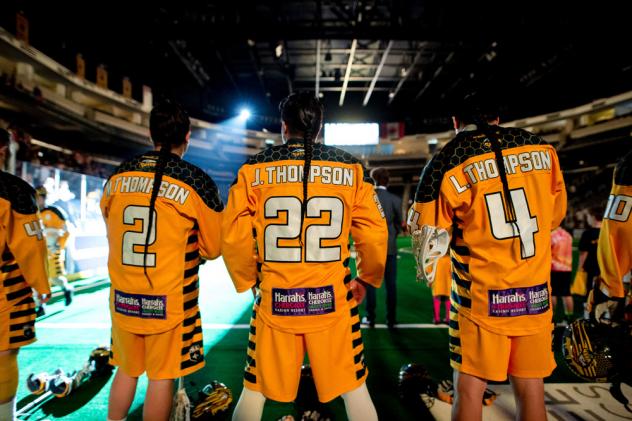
[210, 225]
[237, 239]
[25, 239]
[370, 234]
[559, 192]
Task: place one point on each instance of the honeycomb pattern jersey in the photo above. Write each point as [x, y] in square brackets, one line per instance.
[22, 261]
[302, 269]
[500, 266]
[186, 227]
[614, 253]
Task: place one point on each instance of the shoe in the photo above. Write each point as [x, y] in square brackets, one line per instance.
[445, 322]
[68, 296]
[391, 325]
[365, 321]
[436, 321]
[39, 311]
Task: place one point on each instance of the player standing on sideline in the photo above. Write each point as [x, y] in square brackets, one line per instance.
[392, 206]
[500, 192]
[298, 203]
[162, 215]
[54, 221]
[22, 267]
[614, 252]
[561, 267]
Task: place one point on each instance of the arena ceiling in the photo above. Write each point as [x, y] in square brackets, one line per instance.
[383, 60]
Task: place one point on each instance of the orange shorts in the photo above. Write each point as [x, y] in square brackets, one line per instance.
[273, 364]
[17, 325]
[168, 355]
[491, 356]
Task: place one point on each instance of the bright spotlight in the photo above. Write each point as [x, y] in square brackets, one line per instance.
[244, 114]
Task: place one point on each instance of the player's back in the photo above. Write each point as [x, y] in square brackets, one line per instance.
[303, 271]
[186, 226]
[614, 252]
[21, 257]
[501, 269]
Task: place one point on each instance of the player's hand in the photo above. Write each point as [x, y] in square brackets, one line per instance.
[358, 289]
[44, 298]
[604, 309]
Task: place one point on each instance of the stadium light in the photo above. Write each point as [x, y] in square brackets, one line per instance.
[244, 114]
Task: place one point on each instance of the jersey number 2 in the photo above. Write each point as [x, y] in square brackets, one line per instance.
[131, 239]
[526, 223]
[314, 234]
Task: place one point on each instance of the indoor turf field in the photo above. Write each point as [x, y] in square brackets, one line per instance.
[66, 337]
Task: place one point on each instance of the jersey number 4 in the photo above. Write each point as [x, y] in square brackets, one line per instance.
[291, 230]
[525, 227]
[136, 239]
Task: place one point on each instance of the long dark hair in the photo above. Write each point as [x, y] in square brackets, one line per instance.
[169, 125]
[302, 112]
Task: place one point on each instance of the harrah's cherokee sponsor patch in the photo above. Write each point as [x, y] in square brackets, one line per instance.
[519, 301]
[143, 306]
[303, 301]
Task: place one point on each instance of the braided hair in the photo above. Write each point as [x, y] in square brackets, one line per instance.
[169, 125]
[302, 112]
[480, 110]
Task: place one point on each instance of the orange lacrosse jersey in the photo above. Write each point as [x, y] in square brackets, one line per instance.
[22, 247]
[302, 274]
[614, 251]
[186, 227]
[500, 270]
[54, 221]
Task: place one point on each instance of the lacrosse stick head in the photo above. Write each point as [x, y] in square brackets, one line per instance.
[429, 245]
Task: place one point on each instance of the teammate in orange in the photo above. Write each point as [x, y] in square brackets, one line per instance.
[286, 234]
[162, 215]
[614, 252]
[500, 192]
[55, 224]
[22, 267]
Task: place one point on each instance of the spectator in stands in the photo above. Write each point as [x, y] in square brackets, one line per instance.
[392, 206]
[561, 267]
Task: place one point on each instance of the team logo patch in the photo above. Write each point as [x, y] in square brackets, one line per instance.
[195, 353]
[519, 301]
[303, 301]
[143, 306]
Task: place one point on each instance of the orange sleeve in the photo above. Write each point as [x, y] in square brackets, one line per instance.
[209, 234]
[25, 239]
[370, 234]
[237, 239]
[559, 192]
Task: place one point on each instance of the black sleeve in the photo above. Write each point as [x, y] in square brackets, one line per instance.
[585, 240]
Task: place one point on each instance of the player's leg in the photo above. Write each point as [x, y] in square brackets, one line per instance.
[336, 356]
[529, 395]
[531, 360]
[122, 394]
[250, 405]
[128, 354]
[359, 405]
[8, 383]
[158, 400]
[273, 369]
[468, 397]
[390, 279]
[436, 309]
[476, 355]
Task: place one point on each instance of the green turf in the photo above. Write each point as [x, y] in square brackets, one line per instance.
[385, 351]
